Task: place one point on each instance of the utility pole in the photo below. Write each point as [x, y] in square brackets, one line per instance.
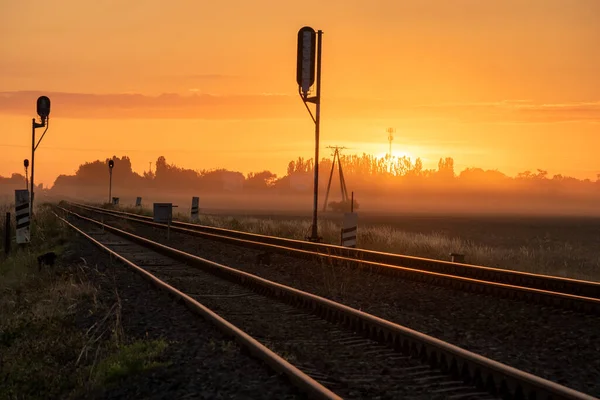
[336, 155]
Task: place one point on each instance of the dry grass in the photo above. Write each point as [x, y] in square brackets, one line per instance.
[44, 352]
[556, 258]
[551, 259]
[36, 341]
[4, 208]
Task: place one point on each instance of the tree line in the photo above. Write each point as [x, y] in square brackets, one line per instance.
[365, 173]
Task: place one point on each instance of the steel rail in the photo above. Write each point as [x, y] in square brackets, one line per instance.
[555, 299]
[300, 379]
[494, 377]
[538, 281]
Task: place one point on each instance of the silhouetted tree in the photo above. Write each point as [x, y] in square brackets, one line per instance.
[446, 168]
[260, 180]
[364, 173]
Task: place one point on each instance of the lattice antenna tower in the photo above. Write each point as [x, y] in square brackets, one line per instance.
[390, 132]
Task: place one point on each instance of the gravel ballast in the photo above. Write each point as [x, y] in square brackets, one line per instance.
[350, 365]
[557, 345]
[201, 363]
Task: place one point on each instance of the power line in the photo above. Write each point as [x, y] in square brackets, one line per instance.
[336, 149]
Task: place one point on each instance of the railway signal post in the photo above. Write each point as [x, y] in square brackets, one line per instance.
[43, 110]
[26, 165]
[309, 47]
[111, 165]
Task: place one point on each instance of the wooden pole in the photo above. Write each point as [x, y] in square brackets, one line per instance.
[7, 234]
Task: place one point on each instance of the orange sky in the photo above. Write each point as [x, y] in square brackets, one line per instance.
[507, 84]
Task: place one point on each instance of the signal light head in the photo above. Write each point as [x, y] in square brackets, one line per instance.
[43, 107]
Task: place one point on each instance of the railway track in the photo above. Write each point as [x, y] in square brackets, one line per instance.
[356, 355]
[570, 294]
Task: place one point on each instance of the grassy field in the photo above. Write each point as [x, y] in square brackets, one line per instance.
[44, 351]
[561, 246]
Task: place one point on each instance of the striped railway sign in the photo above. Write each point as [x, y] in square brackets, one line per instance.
[22, 216]
[349, 231]
[138, 201]
[194, 212]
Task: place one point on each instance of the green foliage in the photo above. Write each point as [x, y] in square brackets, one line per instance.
[226, 346]
[128, 360]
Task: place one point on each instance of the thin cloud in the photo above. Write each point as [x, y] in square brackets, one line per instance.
[267, 105]
[206, 76]
[166, 105]
[518, 111]
[195, 78]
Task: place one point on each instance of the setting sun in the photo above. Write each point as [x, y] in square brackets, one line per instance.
[397, 155]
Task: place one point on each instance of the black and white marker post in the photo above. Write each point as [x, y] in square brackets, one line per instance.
[305, 77]
[43, 110]
[194, 210]
[22, 216]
